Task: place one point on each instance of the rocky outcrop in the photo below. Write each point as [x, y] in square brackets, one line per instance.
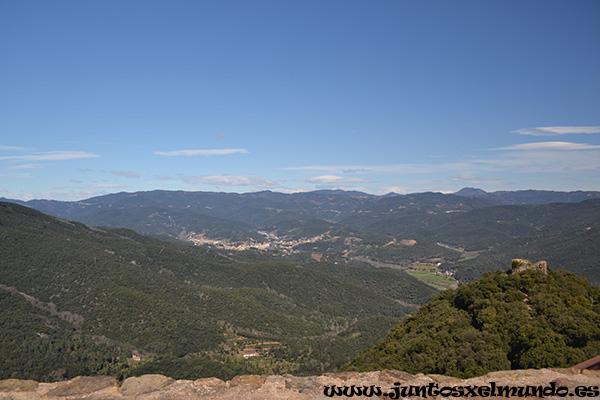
[288, 387]
[72, 318]
[519, 265]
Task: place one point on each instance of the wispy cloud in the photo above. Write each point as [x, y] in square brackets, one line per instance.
[11, 148]
[477, 180]
[558, 130]
[553, 146]
[126, 174]
[341, 169]
[106, 185]
[333, 179]
[381, 169]
[188, 153]
[330, 181]
[231, 180]
[52, 156]
[540, 160]
[26, 166]
[163, 177]
[544, 157]
[57, 194]
[18, 176]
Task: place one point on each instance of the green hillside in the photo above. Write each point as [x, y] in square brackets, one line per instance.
[526, 319]
[114, 293]
[38, 345]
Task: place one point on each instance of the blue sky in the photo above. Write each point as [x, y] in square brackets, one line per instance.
[99, 97]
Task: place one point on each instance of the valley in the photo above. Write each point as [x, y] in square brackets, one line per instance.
[164, 302]
[466, 234]
[215, 284]
[429, 273]
[298, 199]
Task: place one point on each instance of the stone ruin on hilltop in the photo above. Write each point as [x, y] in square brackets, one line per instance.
[519, 265]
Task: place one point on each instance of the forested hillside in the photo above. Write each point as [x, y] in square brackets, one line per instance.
[518, 320]
[104, 295]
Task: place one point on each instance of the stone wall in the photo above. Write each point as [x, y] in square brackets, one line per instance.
[285, 387]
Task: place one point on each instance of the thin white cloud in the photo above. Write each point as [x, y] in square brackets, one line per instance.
[477, 180]
[545, 157]
[558, 130]
[106, 185]
[333, 179]
[231, 180]
[164, 177]
[52, 156]
[345, 169]
[126, 174]
[546, 161]
[19, 176]
[189, 153]
[382, 169]
[331, 186]
[11, 148]
[552, 146]
[26, 166]
[56, 194]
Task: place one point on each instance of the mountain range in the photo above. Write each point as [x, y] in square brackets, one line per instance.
[531, 197]
[303, 281]
[463, 234]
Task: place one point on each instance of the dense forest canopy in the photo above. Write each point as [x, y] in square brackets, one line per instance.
[527, 319]
[99, 296]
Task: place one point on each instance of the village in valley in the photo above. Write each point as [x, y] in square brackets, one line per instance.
[427, 271]
[271, 242]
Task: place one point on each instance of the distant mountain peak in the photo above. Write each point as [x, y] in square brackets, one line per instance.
[471, 192]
